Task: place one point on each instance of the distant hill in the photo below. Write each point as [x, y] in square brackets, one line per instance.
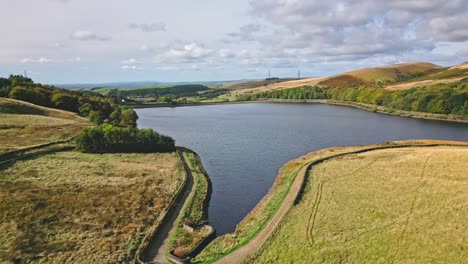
[393, 77]
[386, 74]
[246, 84]
[142, 84]
[108, 85]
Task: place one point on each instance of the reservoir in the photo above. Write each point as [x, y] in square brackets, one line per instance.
[242, 146]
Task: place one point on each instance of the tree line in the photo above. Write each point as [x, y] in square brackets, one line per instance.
[154, 92]
[115, 126]
[107, 138]
[99, 109]
[438, 99]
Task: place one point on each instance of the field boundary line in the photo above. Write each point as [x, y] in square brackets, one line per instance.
[411, 210]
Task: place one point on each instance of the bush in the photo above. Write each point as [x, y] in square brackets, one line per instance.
[107, 138]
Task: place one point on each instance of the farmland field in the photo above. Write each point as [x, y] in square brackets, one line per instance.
[382, 206]
[83, 208]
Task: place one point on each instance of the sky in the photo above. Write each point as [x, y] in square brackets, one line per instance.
[92, 41]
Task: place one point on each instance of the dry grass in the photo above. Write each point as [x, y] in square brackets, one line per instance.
[281, 85]
[389, 73]
[416, 84]
[384, 206]
[82, 208]
[358, 77]
[24, 125]
[249, 227]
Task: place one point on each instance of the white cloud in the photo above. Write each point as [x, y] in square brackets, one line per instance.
[145, 48]
[151, 27]
[41, 60]
[130, 61]
[450, 28]
[189, 52]
[131, 67]
[87, 35]
[56, 45]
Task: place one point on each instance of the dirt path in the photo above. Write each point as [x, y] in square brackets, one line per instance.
[250, 248]
[159, 245]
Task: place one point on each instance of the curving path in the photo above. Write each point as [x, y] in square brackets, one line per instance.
[159, 245]
[250, 248]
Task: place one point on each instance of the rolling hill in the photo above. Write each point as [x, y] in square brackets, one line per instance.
[393, 77]
[387, 74]
[24, 124]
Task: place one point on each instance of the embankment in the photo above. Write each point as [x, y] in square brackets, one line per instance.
[258, 226]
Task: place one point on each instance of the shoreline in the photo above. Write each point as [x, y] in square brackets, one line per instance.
[294, 194]
[160, 238]
[367, 107]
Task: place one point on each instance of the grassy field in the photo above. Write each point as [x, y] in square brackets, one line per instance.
[23, 125]
[403, 205]
[251, 225]
[195, 212]
[82, 208]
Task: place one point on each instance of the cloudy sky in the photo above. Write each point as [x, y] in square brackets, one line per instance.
[83, 41]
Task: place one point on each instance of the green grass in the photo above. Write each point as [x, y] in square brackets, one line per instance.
[384, 206]
[107, 90]
[82, 208]
[194, 213]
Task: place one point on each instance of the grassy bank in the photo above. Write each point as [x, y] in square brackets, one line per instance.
[254, 222]
[74, 207]
[196, 209]
[382, 206]
[24, 125]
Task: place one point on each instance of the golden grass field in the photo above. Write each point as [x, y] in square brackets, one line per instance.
[24, 125]
[71, 207]
[406, 205]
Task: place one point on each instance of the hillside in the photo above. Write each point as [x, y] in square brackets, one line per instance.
[24, 124]
[402, 205]
[251, 83]
[393, 77]
[280, 85]
[386, 74]
[448, 75]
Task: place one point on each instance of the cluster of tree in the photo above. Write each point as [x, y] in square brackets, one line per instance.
[98, 108]
[445, 99]
[107, 138]
[156, 92]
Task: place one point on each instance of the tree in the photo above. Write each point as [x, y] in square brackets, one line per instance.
[4, 82]
[128, 117]
[65, 102]
[91, 140]
[96, 117]
[108, 138]
[20, 80]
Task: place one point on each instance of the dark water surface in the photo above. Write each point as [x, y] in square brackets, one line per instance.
[243, 145]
